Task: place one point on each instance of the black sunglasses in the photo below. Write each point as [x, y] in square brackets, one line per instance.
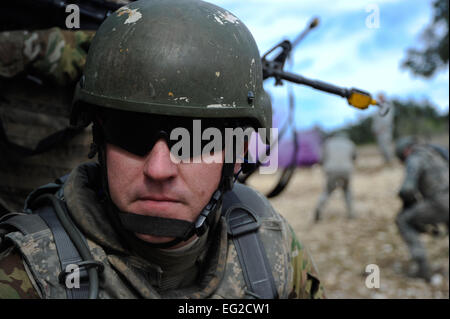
[137, 133]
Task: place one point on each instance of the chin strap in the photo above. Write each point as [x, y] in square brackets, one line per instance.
[180, 229]
[168, 227]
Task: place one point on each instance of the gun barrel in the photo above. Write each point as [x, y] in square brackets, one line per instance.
[316, 84]
[300, 37]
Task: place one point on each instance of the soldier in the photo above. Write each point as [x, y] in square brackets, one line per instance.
[147, 221]
[338, 156]
[382, 128]
[425, 197]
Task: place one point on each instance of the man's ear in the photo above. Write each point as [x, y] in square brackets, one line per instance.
[237, 166]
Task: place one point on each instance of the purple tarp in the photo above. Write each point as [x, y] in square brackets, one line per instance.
[309, 151]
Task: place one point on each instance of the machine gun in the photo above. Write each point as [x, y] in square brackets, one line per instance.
[274, 68]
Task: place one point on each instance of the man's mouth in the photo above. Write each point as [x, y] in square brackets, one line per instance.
[162, 206]
[159, 198]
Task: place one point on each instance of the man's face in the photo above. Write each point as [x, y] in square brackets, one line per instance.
[153, 185]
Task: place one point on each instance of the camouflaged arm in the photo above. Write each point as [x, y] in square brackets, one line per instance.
[54, 54]
[306, 283]
[414, 166]
[14, 280]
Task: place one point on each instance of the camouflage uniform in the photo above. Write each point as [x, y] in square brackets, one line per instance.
[127, 275]
[38, 73]
[337, 160]
[382, 128]
[426, 176]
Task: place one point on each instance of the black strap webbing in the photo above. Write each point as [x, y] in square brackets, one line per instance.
[67, 252]
[26, 224]
[154, 225]
[242, 227]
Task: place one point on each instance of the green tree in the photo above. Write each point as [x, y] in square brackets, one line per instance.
[418, 118]
[434, 56]
[411, 118]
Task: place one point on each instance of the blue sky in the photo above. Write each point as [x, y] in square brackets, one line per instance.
[342, 50]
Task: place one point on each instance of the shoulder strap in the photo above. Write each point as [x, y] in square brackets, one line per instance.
[243, 227]
[44, 217]
[67, 252]
[55, 188]
[26, 224]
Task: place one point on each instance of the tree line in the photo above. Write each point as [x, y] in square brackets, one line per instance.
[412, 117]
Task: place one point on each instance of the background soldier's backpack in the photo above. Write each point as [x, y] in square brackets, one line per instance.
[442, 151]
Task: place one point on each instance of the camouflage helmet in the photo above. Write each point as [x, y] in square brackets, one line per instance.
[402, 144]
[174, 57]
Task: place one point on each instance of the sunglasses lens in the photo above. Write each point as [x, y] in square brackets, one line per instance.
[129, 133]
[186, 137]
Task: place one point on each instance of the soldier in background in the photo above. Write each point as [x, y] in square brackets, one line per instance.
[382, 128]
[425, 197]
[339, 154]
[38, 73]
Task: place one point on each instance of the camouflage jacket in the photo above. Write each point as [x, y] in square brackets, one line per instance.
[53, 55]
[338, 155]
[426, 173]
[32, 268]
[383, 124]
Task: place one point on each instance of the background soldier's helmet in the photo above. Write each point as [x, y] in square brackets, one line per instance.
[381, 97]
[402, 144]
[174, 57]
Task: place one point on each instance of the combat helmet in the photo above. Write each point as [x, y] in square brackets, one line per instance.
[178, 58]
[174, 57]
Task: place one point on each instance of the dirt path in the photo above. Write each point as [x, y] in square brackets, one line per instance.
[343, 248]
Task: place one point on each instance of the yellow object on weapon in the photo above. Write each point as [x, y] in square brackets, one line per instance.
[360, 99]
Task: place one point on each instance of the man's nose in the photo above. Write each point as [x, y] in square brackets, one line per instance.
[158, 164]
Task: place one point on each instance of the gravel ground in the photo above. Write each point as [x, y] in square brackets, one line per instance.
[342, 248]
